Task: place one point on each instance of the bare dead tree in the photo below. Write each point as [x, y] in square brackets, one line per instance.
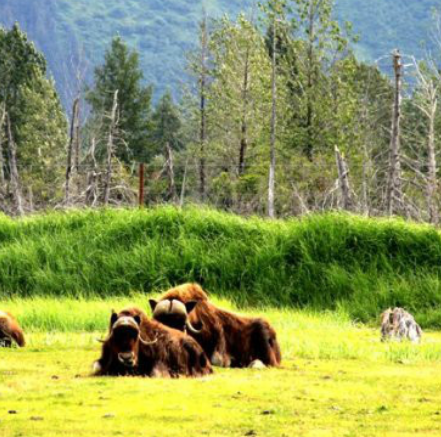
[272, 169]
[184, 183]
[343, 180]
[394, 197]
[15, 180]
[110, 147]
[427, 102]
[170, 173]
[74, 132]
[92, 192]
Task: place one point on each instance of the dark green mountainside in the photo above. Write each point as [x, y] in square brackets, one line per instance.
[73, 33]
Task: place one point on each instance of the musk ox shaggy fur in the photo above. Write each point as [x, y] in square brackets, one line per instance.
[228, 339]
[136, 345]
[398, 324]
[10, 331]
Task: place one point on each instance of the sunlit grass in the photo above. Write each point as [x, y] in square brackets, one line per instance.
[337, 379]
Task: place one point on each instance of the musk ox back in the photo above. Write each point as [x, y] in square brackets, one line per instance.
[10, 331]
[227, 338]
[398, 324]
[138, 346]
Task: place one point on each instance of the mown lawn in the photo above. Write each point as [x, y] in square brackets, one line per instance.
[337, 379]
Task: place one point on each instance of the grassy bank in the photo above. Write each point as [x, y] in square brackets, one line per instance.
[324, 262]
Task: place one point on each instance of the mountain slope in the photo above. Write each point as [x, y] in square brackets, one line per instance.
[74, 33]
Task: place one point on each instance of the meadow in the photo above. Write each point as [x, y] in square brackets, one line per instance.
[337, 379]
[321, 281]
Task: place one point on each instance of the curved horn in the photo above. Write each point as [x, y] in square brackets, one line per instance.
[148, 343]
[191, 328]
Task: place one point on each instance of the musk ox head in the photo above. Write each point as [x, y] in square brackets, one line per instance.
[125, 338]
[174, 313]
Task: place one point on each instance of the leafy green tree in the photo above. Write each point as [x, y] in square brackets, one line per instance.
[240, 93]
[42, 141]
[121, 72]
[20, 66]
[37, 119]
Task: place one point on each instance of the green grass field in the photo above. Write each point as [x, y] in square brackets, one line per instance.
[337, 379]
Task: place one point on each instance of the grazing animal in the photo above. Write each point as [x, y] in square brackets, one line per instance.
[228, 339]
[136, 345]
[398, 324]
[10, 331]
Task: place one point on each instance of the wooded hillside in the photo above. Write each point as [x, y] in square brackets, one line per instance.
[71, 32]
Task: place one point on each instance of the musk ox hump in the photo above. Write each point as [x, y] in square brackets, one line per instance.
[186, 293]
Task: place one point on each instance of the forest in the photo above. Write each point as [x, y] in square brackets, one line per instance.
[278, 117]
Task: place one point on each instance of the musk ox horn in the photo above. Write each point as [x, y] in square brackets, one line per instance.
[191, 328]
[148, 343]
[174, 306]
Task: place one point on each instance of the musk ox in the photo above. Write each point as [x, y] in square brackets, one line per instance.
[10, 331]
[398, 324]
[228, 339]
[136, 345]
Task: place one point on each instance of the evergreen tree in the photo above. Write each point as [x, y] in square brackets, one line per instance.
[37, 121]
[166, 124]
[121, 72]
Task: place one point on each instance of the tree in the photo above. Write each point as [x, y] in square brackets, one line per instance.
[121, 72]
[167, 124]
[35, 117]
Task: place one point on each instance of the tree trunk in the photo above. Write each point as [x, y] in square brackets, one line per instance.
[170, 173]
[343, 180]
[70, 149]
[202, 108]
[15, 180]
[394, 192]
[2, 163]
[432, 183]
[112, 127]
[310, 82]
[272, 169]
[244, 122]
[92, 188]
[184, 182]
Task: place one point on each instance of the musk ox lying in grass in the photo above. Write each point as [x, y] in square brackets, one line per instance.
[10, 331]
[136, 345]
[227, 338]
[398, 324]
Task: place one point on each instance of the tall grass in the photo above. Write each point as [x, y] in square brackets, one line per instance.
[325, 262]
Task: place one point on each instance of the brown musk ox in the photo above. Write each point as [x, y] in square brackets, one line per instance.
[10, 331]
[136, 345]
[228, 339]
